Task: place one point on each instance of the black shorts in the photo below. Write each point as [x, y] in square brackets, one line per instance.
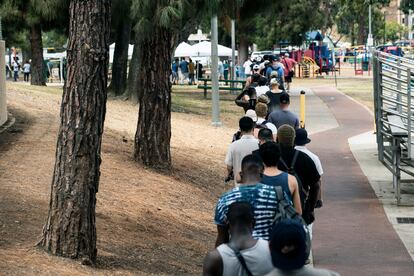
[288, 79]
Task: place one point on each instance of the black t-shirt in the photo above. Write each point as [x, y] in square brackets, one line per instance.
[308, 174]
[274, 103]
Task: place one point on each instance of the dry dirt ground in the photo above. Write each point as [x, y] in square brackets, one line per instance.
[147, 223]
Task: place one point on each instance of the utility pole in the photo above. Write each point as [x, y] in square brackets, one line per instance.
[410, 30]
[233, 50]
[214, 73]
[370, 41]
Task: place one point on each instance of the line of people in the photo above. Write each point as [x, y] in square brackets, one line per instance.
[264, 224]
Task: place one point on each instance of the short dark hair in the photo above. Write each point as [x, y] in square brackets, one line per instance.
[256, 77]
[246, 124]
[240, 213]
[284, 98]
[251, 165]
[265, 134]
[270, 153]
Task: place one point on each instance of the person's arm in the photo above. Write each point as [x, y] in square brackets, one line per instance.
[294, 189]
[222, 235]
[213, 264]
[248, 83]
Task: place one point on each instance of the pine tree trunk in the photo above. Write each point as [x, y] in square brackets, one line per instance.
[133, 92]
[36, 46]
[152, 138]
[70, 229]
[243, 50]
[120, 62]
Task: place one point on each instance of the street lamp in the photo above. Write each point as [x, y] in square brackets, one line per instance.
[370, 41]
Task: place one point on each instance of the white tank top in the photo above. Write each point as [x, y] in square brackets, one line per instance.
[257, 259]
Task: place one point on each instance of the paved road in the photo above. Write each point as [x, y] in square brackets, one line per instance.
[352, 234]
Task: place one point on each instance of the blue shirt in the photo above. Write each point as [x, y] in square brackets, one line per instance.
[184, 66]
[279, 180]
[263, 200]
[174, 67]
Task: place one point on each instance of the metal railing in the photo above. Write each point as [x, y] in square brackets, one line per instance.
[393, 83]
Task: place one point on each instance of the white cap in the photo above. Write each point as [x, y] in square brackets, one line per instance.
[256, 67]
[251, 114]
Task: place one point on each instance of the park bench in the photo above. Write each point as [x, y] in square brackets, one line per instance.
[237, 85]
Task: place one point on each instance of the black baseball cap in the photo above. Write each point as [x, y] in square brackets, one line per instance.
[284, 98]
[288, 246]
[301, 137]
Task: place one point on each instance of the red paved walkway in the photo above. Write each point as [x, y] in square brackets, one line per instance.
[352, 234]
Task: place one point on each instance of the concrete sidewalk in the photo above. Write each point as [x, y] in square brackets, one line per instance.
[352, 232]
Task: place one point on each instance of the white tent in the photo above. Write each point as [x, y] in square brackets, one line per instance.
[112, 50]
[184, 50]
[203, 49]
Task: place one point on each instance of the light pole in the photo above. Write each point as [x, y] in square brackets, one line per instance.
[214, 70]
[370, 41]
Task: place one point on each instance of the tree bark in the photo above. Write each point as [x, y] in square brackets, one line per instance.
[133, 92]
[243, 50]
[120, 62]
[36, 46]
[70, 229]
[152, 138]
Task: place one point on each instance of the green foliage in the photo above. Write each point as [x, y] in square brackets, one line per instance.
[392, 32]
[407, 5]
[54, 39]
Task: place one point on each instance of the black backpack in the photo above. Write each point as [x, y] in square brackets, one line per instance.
[304, 193]
[285, 210]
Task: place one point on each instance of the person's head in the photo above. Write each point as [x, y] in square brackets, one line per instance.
[261, 110]
[270, 153]
[251, 114]
[301, 137]
[190, 60]
[263, 99]
[251, 169]
[284, 100]
[265, 135]
[274, 84]
[288, 245]
[286, 136]
[256, 68]
[286, 55]
[240, 215]
[246, 125]
[262, 81]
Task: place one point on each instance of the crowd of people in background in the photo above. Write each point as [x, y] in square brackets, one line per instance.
[14, 69]
[264, 223]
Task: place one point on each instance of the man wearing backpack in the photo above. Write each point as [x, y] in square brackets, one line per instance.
[267, 201]
[270, 154]
[242, 255]
[302, 167]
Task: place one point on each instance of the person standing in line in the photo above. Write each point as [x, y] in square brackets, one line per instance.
[199, 70]
[16, 67]
[226, 70]
[26, 71]
[274, 96]
[255, 253]
[289, 65]
[240, 148]
[191, 71]
[174, 72]
[220, 70]
[284, 116]
[247, 67]
[184, 70]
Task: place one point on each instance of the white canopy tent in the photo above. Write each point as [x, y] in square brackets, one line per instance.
[203, 49]
[184, 50]
[112, 50]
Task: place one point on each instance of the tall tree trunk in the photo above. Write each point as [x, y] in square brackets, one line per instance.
[362, 37]
[36, 46]
[152, 138]
[70, 229]
[243, 50]
[120, 62]
[132, 89]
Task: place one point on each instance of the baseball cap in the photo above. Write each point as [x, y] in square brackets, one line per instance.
[251, 114]
[286, 55]
[301, 137]
[284, 98]
[256, 67]
[288, 245]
